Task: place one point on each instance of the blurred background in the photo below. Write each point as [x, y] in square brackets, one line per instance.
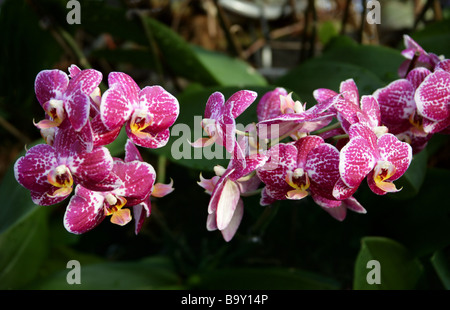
[193, 48]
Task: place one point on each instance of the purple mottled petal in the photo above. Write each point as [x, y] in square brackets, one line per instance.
[138, 180]
[214, 105]
[73, 71]
[397, 152]
[46, 198]
[217, 191]
[88, 80]
[127, 85]
[84, 211]
[147, 139]
[240, 101]
[229, 231]
[226, 133]
[115, 108]
[91, 168]
[350, 92]
[77, 105]
[432, 127]
[304, 146]
[370, 106]
[443, 65]
[322, 167]
[396, 102]
[32, 169]
[322, 95]
[360, 130]
[281, 158]
[354, 205]
[269, 105]
[162, 107]
[50, 84]
[347, 110]
[357, 159]
[132, 152]
[433, 96]
[102, 135]
[266, 200]
[417, 75]
[140, 213]
[341, 191]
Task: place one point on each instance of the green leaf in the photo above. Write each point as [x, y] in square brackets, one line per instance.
[441, 263]
[397, 269]
[148, 273]
[23, 248]
[268, 278]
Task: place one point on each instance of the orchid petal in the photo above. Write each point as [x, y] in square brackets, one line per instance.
[115, 108]
[126, 84]
[227, 204]
[132, 152]
[84, 211]
[77, 105]
[396, 152]
[240, 101]
[229, 231]
[357, 159]
[140, 212]
[91, 168]
[149, 139]
[50, 84]
[161, 190]
[433, 96]
[269, 105]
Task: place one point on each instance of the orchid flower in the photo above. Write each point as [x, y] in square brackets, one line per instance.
[381, 159]
[148, 112]
[50, 172]
[88, 208]
[61, 97]
[292, 117]
[219, 120]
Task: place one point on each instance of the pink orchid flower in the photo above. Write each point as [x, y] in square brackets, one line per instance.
[88, 208]
[61, 97]
[148, 112]
[51, 171]
[309, 166]
[291, 116]
[219, 120]
[382, 159]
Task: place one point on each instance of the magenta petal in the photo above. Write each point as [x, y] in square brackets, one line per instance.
[417, 75]
[229, 231]
[217, 191]
[50, 84]
[126, 83]
[84, 211]
[323, 94]
[32, 169]
[397, 152]
[240, 101]
[322, 167]
[341, 191]
[267, 200]
[281, 158]
[359, 130]
[304, 146]
[46, 198]
[88, 80]
[433, 96]
[269, 105]
[77, 105]
[140, 213]
[138, 180]
[102, 135]
[354, 205]
[371, 108]
[149, 139]
[91, 168]
[350, 92]
[115, 108]
[162, 107]
[214, 105]
[396, 102]
[443, 65]
[357, 159]
[132, 152]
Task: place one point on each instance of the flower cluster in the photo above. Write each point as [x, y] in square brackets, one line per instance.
[328, 150]
[79, 122]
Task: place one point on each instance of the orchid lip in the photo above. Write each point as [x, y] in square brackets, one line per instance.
[140, 121]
